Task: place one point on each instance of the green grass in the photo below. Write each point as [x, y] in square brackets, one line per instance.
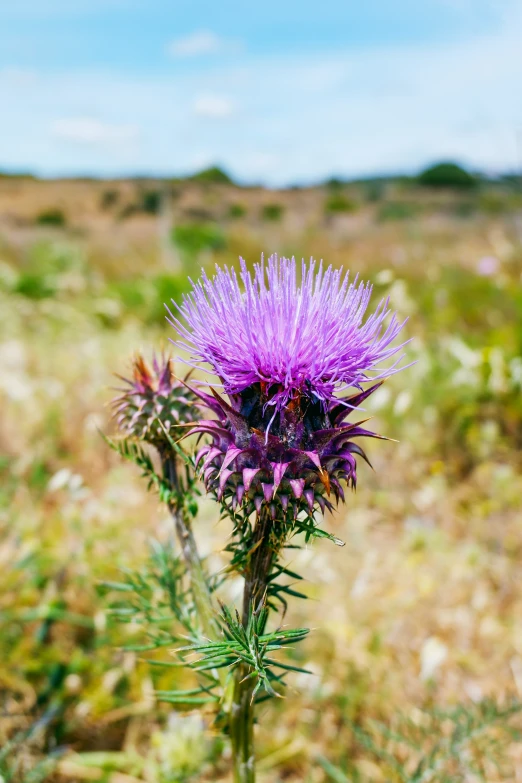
[193, 238]
[338, 202]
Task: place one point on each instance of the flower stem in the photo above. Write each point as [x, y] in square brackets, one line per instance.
[242, 730]
[200, 589]
[242, 714]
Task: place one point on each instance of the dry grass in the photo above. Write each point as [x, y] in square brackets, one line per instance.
[421, 606]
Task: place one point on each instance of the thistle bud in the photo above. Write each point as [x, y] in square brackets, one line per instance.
[153, 402]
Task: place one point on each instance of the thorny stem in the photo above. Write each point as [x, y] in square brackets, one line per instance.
[242, 730]
[259, 566]
[200, 589]
[262, 558]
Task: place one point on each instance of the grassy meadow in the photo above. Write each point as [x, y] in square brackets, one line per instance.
[419, 611]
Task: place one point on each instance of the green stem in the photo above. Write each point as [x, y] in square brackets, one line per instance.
[198, 582]
[242, 730]
[242, 712]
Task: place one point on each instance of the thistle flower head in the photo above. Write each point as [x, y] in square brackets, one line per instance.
[153, 401]
[294, 337]
[284, 349]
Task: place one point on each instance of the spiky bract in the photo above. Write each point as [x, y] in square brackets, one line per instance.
[299, 465]
[154, 401]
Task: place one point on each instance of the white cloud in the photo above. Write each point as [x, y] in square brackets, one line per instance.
[303, 115]
[87, 130]
[213, 106]
[198, 43]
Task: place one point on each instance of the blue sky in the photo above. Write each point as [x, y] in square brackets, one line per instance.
[276, 92]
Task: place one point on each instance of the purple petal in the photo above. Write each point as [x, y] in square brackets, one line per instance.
[268, 491]
[279, 469]
[314, 456]
[309, 495]
[248, 476]
[225, 474]
[297, 486]
[338, 488]
[231, 454]
[212, 454]
[208, 473]
[297, 330]
[342, 408]
[201, 453]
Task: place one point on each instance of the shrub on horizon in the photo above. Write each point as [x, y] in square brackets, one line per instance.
[214, 175]
[109, 198]
[446, 175]
[272, 212]
[151, 201]
[51, 217]
[338, 203]
[236, 211]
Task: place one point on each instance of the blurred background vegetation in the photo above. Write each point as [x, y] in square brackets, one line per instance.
[419, 611]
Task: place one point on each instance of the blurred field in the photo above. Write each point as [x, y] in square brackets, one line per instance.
[421, 607]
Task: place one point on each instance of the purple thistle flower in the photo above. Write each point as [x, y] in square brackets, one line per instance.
[283, 351]
[306, 337]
